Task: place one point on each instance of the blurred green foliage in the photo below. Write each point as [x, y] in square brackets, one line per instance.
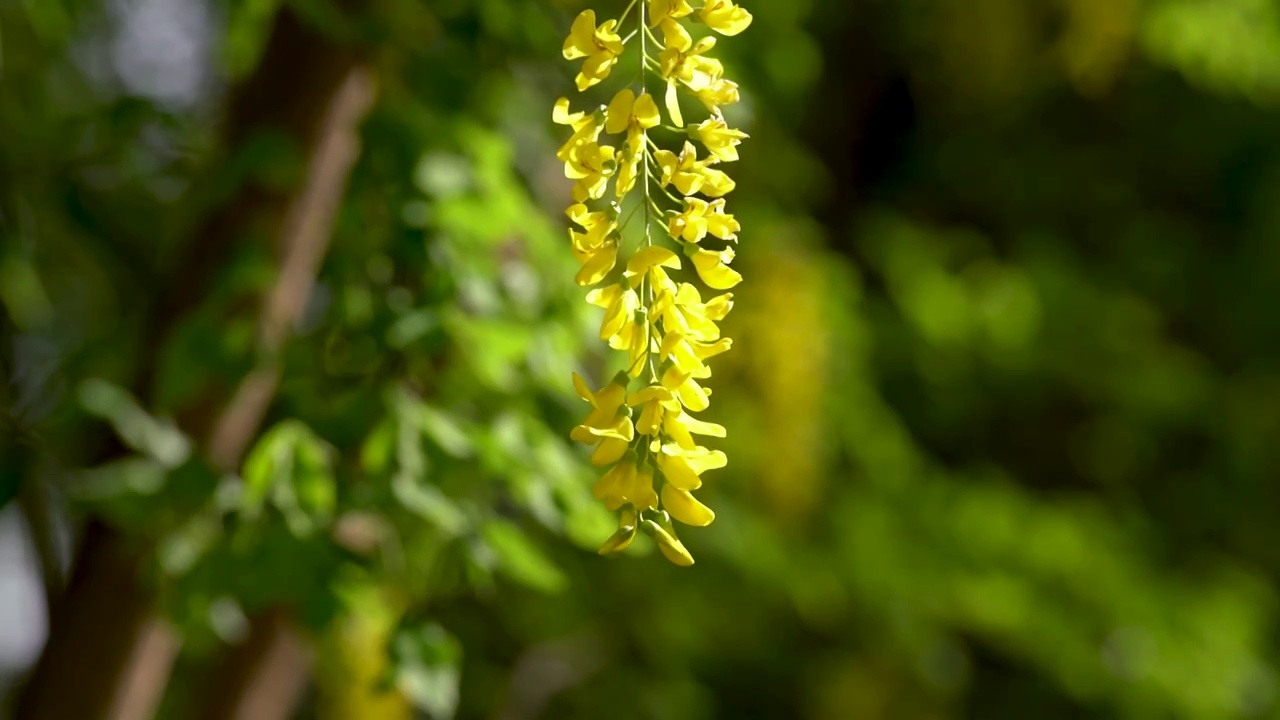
[1002, 408]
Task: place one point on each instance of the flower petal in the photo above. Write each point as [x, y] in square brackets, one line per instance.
[683, 506]
[673, 104]
[598, 265]
[621, 540]
[672, 548]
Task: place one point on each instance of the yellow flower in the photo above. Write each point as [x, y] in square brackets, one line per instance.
[608, 423]
[676, 38]
[716, 183]
[684, 507]
[688, 355]
[597, 248]
[660, 10]
[681, 170]
[631, 115]
[598, 226]
[627, 484]
[720, 223]
[612, 486]
[713, 267]
[690, 224]
[629, 168]
[683, 467]
[690, 175]
[628, 523]
[680, 426]
[654, 402]
[719, 139]
[700, 218]
[691, 395]
[724, 17]
[684, 312]
[718, 307]
[620, 326]
[684, 60]
[641, 493]
[591, 165]
[586, 128]
[637, 340]
[601, 47]
[681, 60]
[682, 356]
[650, 261]
[585, 39]
[666, 328]
[717, 93]
[620, 302]
[665, 536]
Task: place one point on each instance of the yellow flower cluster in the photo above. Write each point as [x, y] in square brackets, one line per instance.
[645, 435]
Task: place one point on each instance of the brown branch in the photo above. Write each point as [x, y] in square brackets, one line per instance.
[305, 240]
[107, 656]
[265, 680]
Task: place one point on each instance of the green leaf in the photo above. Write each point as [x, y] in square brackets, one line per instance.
[428, 502]
[409, 485]
[50, 19]
[314, 483]
[291, 465]
[157, 439]
[317, 493]
[247, 31]
[426, 665]
[411, 327]
[520, 559]
[443, 175]
[23, 293]
[270, 459]
[378, 451]
[126, 476]
[446, 431]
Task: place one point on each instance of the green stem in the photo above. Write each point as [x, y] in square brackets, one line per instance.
[647, 287]
[643, 89]
[654, 206]
[627, 221]
[680, 202]
[623, 17]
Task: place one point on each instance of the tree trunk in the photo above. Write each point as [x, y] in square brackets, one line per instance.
[107, 656]
[263, 678]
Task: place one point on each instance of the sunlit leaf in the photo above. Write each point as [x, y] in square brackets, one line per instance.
[426, 664]
[160, 440]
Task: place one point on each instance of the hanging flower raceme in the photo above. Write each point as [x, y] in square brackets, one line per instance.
[665, 224]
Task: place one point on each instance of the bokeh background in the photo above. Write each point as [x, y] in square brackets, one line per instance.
[289, 325]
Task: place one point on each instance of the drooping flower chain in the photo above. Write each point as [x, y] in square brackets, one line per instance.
[645, 434]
